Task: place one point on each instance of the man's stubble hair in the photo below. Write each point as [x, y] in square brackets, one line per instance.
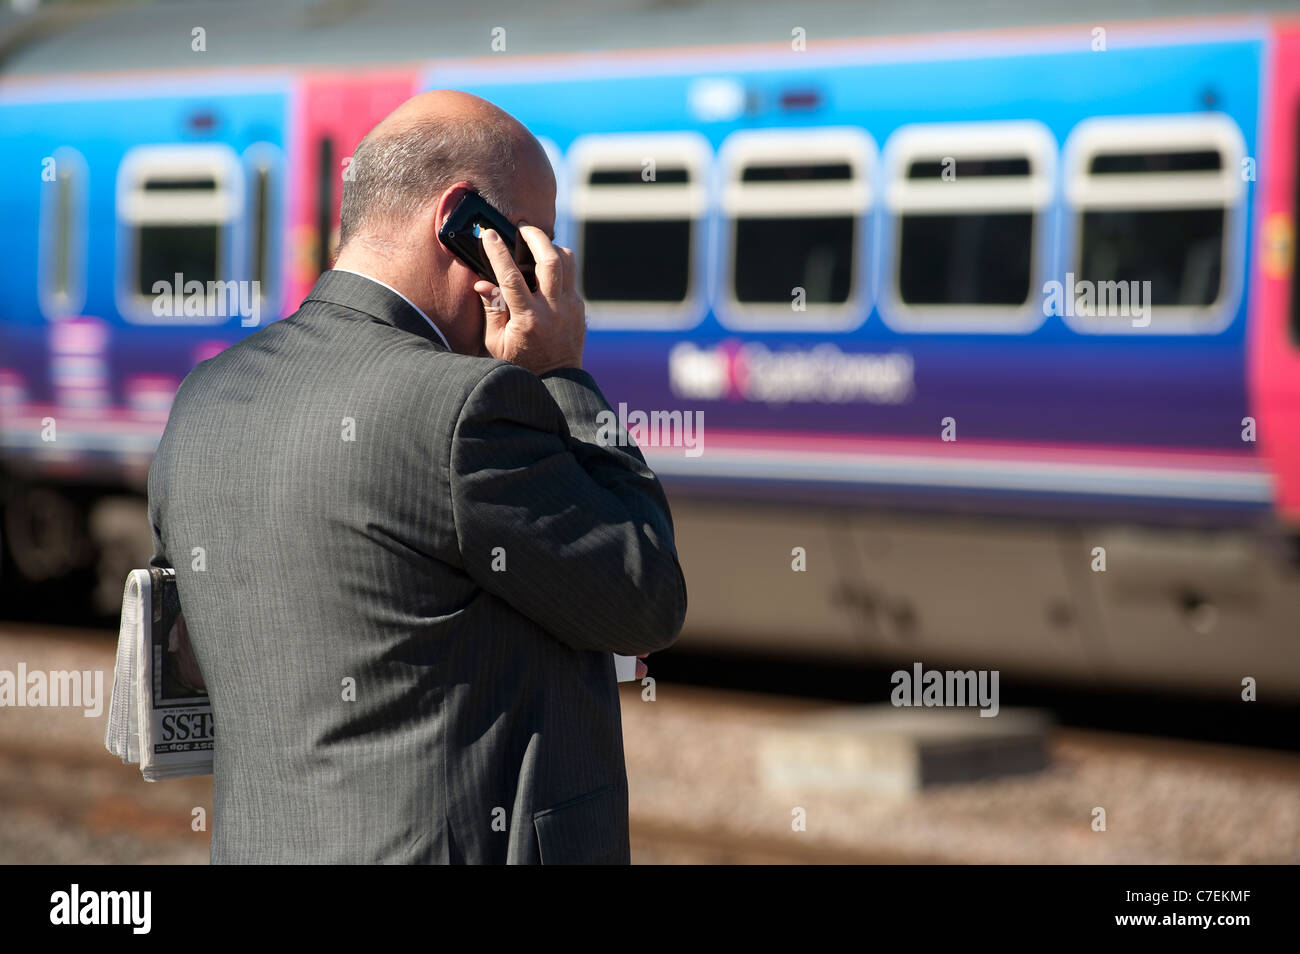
[394, 176]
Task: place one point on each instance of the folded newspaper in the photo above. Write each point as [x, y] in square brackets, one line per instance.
[159, 716]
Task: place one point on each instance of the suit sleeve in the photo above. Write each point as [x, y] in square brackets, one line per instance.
[573, 532]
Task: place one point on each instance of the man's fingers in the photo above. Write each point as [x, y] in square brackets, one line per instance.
[490, 293]
[550, 267]
[509, 278]
[495, 312]
[570, 268]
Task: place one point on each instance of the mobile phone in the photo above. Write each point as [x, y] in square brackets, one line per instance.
[462, 234]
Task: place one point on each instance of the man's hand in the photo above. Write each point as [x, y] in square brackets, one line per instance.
[641, 668]
[539, 331]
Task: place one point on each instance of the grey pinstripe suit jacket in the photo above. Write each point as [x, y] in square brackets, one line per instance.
[348, 503]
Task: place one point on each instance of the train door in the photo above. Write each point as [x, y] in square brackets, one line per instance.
[331, 115]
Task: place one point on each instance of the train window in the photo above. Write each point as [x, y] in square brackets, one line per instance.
[176, 207]
[259, 253]
[1155, 200]
[262, 168]
[637, 203]
[325, 173]
[63, 234]
[967, 201]
[795, 203]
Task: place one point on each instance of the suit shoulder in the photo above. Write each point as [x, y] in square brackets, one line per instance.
[195, 379]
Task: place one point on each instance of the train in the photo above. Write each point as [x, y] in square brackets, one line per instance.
[976, 346]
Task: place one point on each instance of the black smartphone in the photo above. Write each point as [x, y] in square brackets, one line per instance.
[461, 233]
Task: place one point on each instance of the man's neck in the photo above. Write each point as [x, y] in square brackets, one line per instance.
[391, 272]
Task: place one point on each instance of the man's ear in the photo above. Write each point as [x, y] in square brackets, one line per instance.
[447, 203]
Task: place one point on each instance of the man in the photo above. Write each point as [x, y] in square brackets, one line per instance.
[403, 556]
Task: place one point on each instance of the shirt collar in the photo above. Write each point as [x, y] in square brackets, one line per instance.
[404, 298]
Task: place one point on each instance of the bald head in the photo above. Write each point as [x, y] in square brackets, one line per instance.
[427, 144]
